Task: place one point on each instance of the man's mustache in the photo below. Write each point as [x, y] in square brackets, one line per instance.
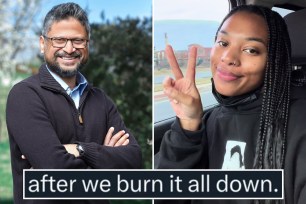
[64, 54]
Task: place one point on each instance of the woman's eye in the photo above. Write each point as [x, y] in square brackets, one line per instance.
[251, 51]
[222, 43]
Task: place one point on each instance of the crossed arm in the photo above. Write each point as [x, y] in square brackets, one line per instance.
[33, 135]
[119, 139]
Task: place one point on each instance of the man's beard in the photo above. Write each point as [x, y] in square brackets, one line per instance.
[54, 66]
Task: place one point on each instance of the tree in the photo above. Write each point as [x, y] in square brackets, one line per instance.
[16, 22]
[121, 64]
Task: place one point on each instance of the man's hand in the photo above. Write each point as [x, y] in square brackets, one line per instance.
[182, 91]
[23, 157]
[71, 149]
[119, 139]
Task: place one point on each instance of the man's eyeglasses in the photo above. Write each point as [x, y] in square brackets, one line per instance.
[61, 42]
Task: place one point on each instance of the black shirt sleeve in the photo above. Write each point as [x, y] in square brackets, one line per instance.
[181, 149]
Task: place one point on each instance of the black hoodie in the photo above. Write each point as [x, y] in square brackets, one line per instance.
[227, 140]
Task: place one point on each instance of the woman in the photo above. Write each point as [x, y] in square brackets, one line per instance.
[251, 67]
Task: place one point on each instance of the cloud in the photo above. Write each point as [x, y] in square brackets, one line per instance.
[190, 9]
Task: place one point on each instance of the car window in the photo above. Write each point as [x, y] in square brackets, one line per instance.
[281, 11]
[184, 24]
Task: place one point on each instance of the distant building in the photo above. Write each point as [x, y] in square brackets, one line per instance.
[203, 56]
[160, 60]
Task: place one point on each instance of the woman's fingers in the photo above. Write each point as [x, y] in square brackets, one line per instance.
[182, 91]
[192, 59]
[108, 136]
[173, 63]
[168, 82]
[177, 96]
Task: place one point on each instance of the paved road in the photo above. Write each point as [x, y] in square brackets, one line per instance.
[163, 110]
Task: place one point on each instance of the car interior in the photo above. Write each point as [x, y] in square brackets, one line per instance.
[297, 30]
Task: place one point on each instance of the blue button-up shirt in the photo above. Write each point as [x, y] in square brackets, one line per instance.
[77, 91]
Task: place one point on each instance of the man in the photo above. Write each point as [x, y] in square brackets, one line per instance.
[55, 119]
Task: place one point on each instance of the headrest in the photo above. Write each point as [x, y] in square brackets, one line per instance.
[297, 30]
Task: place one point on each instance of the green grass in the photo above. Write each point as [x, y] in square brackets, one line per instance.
[200, 81]
[168, 72]
[6, 185]
[6, 201]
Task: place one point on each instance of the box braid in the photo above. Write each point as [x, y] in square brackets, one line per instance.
[273, 125]
[271, 143]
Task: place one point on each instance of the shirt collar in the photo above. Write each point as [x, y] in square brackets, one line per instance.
[81, 82]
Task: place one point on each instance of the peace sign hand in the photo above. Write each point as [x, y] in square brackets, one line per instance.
[182, 91]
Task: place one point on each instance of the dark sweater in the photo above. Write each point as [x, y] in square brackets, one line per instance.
[229, 130]
[41, 117]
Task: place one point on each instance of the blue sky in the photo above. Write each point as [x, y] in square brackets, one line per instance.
[111, 8]
[190, 9]
[187, 22]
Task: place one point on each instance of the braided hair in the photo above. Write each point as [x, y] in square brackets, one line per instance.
[270, 150]
[271, 141]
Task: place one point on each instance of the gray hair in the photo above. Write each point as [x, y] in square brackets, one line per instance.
[64, 11]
